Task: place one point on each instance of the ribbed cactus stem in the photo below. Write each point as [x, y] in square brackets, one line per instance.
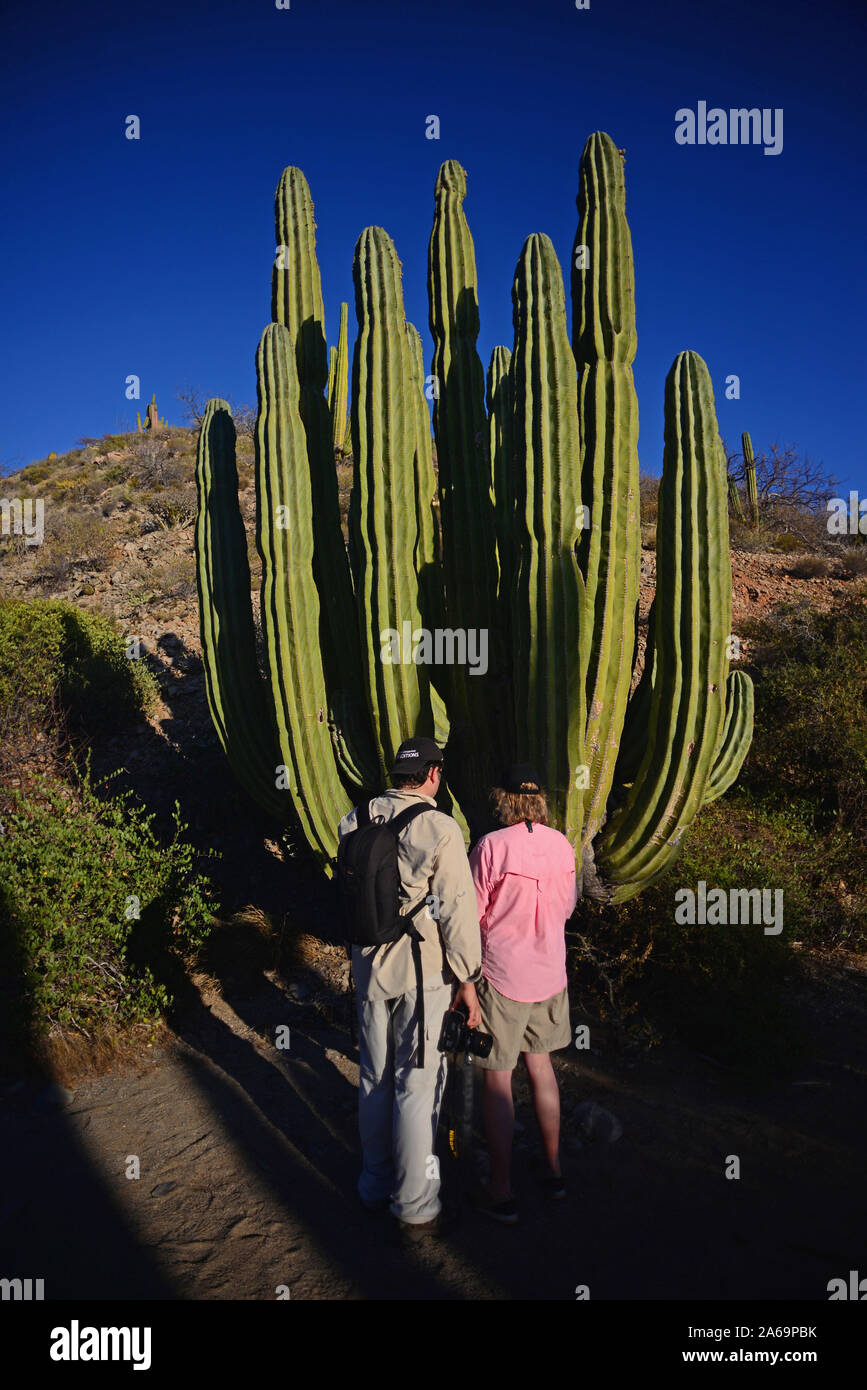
[296, 303]
[547, 621]
[290, 604]
[692, 626]
[338, 400]
[735, 499]
[465, 481]
[604, 341]
[386, 434]
[500, 403]
[237, 695]
[296, 285]
[750, 474]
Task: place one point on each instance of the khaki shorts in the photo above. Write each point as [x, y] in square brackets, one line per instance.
[519, 1027]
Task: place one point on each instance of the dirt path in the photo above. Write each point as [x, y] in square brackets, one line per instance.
[248, 1158]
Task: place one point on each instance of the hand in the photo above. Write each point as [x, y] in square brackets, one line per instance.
[467, 995]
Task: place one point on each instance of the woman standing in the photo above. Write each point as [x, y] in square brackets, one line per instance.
[524, 876]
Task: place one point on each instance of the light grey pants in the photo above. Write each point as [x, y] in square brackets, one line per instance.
[399, 1103]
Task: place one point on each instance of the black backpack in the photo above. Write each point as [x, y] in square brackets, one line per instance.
[369, 878]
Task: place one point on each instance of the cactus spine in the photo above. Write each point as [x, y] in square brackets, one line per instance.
[604, 340]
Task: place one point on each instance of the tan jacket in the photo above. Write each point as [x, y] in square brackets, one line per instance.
[432, 860]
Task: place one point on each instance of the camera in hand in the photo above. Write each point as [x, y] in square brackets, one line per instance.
[455, 1036]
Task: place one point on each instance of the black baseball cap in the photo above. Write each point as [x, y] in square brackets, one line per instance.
[518, 775]
[414, 754]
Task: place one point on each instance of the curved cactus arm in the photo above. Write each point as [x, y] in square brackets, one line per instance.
[737, 735]
[604, 343]
[237, 695]
[385, 431]
[337, 397]
[290, 603]
[296, 298]
[692, 625]
[548, 616]
[750, 473]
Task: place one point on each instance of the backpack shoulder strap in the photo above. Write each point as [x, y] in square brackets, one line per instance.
[402, 820]
[362, 815]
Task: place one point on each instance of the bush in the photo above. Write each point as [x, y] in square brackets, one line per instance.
[100, 917]
[72, 539]
[172, 507]
[50, 647]
[812, 567]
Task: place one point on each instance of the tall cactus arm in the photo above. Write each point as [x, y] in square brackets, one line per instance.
[237, 695]
[549, 703]
[385, 432]
[338, 397]
[290, 603]
[692, 624]
[750, 473]
[500, 405]
[737, 735]
[735, 499]
[604, 342]
[296, 296]
[469, 556]
[332, 368]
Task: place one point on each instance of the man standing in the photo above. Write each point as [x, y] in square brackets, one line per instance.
[399, 1101]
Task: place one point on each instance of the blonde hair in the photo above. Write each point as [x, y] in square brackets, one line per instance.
[510, 808]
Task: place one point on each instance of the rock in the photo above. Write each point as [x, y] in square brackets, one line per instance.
[162, 1188]
[117, 577]
[595, 1124]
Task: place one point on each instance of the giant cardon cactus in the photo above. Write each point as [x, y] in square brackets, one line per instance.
[490, 602]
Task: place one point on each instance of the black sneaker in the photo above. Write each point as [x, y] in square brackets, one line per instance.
[504, 1211]
[553, 1186]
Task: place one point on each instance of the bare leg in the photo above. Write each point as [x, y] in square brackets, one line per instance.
[499, 1112]
[546, 1103]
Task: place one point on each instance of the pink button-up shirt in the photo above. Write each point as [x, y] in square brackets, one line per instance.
[525, 890]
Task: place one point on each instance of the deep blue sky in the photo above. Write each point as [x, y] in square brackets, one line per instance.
[154, 257]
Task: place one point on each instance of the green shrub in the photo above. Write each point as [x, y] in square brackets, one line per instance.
[72, 867]
[51, 647]
[811, 712]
